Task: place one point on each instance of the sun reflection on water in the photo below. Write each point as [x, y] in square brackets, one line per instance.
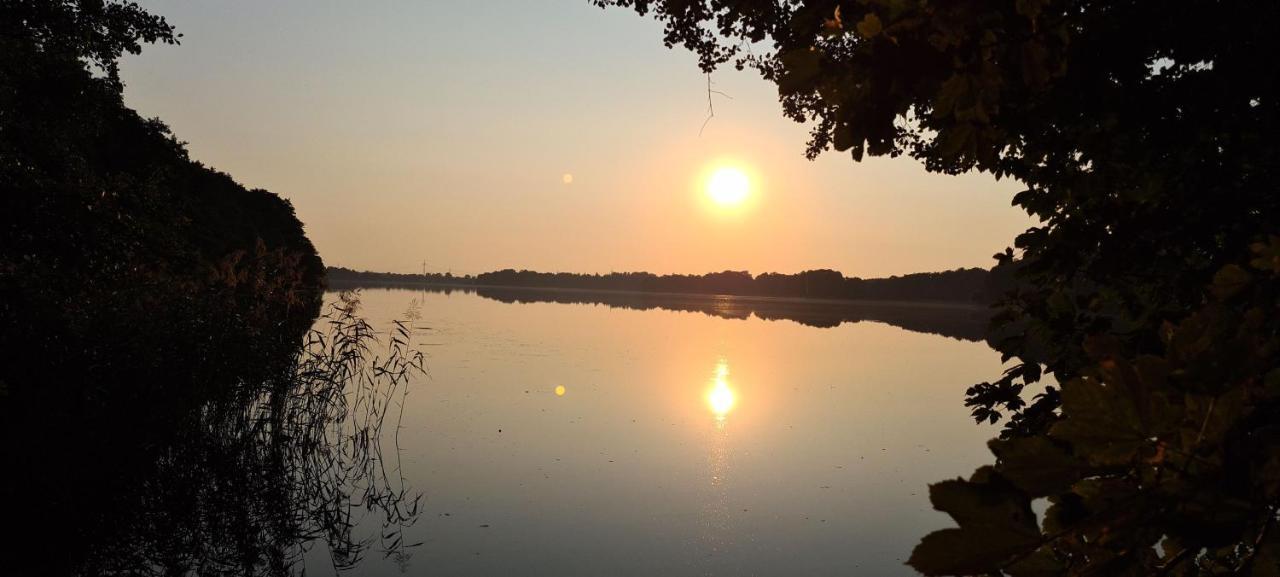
[717, 534]
[721, 398]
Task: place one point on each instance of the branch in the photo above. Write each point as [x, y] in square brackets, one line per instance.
[1257, 543]
[711, 109]
[1174, 561]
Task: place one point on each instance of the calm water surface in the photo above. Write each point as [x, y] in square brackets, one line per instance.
[582, 439]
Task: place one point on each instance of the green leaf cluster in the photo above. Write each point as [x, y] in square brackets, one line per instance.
[1154, 463]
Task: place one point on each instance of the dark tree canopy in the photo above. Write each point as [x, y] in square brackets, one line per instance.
[157, 400]
[140, 293]
[96, 32]
[107, 227]
[1145, 134]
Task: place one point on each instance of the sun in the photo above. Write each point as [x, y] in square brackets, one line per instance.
[728, 186]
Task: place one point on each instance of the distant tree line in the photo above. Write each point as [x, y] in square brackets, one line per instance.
[963, 285]
[346, 276]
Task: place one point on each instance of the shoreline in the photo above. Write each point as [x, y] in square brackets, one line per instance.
[331, 286]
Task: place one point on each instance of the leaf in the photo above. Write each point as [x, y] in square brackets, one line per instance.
[1065, 511]
[967, 551]
[1029, 8]
[1042, 563]
[1059, 303]
[799, 68]
[1229, 281]
[1271, 383]
[831, 90]
[843, 137]
[1035, 67]
[870, 26]
[1036, 465]
[996, 524]
[1103, 506]
[1212, 417]
[1101, 422]
[1266, 255]
[856, 152]
[986, 498]
[955, 139]
[953, 90]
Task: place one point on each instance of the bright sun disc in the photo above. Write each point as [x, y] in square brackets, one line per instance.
[728, 186]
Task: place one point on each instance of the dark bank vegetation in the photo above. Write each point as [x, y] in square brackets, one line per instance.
[239, 484]
[116, 248]
[163, 407]
[1145, 136]
[961, 285]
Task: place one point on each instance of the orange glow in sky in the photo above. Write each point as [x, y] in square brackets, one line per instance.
[395, 153]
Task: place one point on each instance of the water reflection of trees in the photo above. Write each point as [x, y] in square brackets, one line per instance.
[950, 320]
[250, 484]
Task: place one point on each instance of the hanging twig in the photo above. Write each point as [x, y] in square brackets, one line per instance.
[711, 108]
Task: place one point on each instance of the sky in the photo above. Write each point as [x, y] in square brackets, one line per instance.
[406, 132]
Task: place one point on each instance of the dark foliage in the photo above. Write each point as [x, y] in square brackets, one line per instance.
[226, 485]
[1156, 464]
[161, 409]
[1145, 137]
[116, 249]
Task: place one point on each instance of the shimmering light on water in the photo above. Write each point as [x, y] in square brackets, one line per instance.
[692, 445]
[721, 397]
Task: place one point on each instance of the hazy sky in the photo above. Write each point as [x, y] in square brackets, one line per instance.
[442, 131]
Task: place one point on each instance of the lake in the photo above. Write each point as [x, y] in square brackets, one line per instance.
[562, 433]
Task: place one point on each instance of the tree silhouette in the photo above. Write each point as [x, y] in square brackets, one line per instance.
[1145, 137]
[960, 286]
[161, 409]
[115, 246]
